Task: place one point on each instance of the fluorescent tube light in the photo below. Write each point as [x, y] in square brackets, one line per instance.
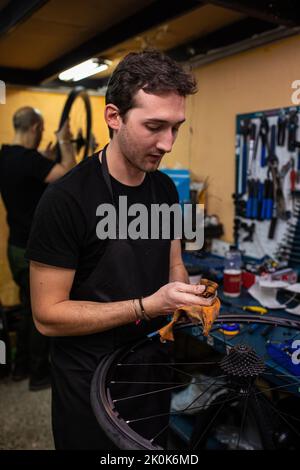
[83, 70]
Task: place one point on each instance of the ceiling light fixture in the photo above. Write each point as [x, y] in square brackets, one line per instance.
[83, 70]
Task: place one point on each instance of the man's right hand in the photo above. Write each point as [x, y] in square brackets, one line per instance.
[172, 296]
[64, 134]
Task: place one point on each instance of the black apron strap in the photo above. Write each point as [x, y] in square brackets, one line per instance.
[106, 176]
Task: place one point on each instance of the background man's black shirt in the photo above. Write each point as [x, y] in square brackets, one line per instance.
[22, 175]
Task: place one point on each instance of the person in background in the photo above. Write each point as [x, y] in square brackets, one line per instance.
[24, 175]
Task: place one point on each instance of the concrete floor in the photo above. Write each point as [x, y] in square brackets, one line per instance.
[25, 417]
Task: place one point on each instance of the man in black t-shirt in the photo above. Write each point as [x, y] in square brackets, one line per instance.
[24, 175]
[93, 293]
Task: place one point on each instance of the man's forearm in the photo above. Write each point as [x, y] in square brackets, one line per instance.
[179, 273]
[76, 318]
[67, 154]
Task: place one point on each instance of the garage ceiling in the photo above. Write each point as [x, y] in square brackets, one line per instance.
[40, 38]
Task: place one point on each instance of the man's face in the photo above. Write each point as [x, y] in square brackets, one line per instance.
[150, 128]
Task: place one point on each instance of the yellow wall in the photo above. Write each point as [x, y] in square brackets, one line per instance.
[250, 81]
[51, 105]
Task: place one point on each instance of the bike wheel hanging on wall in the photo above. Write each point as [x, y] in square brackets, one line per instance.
[78, 110]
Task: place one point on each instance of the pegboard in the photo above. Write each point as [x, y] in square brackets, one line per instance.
[267, 184]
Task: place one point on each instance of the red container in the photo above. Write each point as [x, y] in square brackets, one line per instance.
[248, 279]
[232, 282]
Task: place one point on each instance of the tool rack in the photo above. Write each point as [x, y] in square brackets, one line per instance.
[267, 184]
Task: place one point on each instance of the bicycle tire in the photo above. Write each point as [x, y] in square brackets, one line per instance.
[78, 92]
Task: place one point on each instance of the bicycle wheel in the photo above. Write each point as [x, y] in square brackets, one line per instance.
[228, 391]
[78, 109]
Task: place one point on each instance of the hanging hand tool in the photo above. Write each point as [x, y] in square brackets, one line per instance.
[293, 179]
[252, 150]
[255, 199]
[281, 129]
[298, 167]
[274, 216]
[251, 207]
[292, 130]
[250, 229]
[250, 199]
[270, 200]
[263, 133]
[279, 208]
[238, 166]
[264, 200]
[245, 128]
[240, 205]
[272, 149]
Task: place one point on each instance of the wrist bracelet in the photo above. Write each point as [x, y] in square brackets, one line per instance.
[143, 313]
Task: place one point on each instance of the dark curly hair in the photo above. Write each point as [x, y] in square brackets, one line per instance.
[149, 70]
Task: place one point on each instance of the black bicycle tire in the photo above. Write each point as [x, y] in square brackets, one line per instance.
[124, 437]
[73, 95]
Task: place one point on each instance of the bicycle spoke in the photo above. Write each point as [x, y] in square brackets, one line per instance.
[210, 423]
[168, 364]
[275, 388]
[186, 408]
[199, 396]
[282, 375]
[153, 391]
[148, 383]
[285, 420]
[117, 400]
[243, 417]
[289, 416]
[180, 412]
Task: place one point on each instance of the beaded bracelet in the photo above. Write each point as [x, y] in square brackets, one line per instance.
[140, 314]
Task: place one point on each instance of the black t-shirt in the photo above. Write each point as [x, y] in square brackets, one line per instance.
[64, 228]
[22, 175]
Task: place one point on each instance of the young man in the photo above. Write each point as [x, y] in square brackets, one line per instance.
[87, 293]
[24, 174]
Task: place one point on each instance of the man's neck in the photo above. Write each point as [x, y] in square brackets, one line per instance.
[23, 140]
[120, 168]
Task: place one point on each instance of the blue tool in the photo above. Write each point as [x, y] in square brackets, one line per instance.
[283, 354]
[263, 133]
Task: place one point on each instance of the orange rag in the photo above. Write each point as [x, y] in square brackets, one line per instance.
[196, 313]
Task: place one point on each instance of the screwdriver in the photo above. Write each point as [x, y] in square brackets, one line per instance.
[254, 308]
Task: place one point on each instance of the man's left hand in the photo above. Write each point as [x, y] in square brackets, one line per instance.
[50, 152]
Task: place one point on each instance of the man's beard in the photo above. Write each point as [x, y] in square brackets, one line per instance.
[139, 167]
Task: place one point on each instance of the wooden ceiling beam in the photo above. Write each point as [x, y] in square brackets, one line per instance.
[16, 12]
[15, 76]
[147, 18]
[223, 37]
[280, 12]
